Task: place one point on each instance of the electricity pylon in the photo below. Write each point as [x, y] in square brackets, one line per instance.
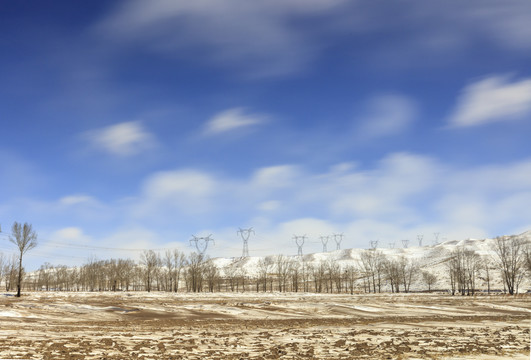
[324, 241]
[245, 234]
[299, 240]
[338, 238]
[436, 240]
[201, 243]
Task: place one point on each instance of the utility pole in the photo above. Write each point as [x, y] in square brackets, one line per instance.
[299, 240]
[405, 243]
[419, 238]
[245, 234]
[324, 241]
[201, 243]
[338, 238]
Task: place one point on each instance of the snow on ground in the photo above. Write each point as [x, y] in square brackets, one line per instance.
[263, 326]
[431, 258]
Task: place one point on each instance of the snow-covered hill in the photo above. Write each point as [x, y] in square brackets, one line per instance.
[432, 258]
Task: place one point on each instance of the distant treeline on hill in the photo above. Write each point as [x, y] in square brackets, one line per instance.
[465, 272]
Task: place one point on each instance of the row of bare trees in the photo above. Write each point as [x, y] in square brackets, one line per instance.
[374, 272]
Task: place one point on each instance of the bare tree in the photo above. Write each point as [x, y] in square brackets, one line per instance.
[283, 267]
[528, 257]
[3, 266]
[429, 279]
[511, 260]
[264, 268]
[463, 266]
[150, 260]
[372, 265]
[211, 275]
[179, 261]
[195, 272]
[25, 238]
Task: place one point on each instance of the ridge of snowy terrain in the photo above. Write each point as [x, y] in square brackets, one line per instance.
[430, 258]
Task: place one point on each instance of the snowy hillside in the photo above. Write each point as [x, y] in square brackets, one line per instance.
[431, 258]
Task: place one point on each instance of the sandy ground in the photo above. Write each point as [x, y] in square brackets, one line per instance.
[263, 326]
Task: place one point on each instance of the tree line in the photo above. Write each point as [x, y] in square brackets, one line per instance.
[174, 271]
[374, 272]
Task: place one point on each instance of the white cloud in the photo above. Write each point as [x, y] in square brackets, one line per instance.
[230, 120]
[387, 115]
[280, 176]
[274, 37]
[493, 99]
[256, 34]
[175, 184]
[124, 139]
[76, 199]
[396, 198]
[72, 235]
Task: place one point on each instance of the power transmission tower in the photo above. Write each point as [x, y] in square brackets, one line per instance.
[338, 238]
[405, 243]
[324, 241]
[245, 234]
[391, 245]
[299, 240]
[419, 238]
[436, 240]
[374, 244]
[201, 243]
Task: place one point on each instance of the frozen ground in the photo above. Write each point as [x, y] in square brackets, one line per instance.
[263, 326]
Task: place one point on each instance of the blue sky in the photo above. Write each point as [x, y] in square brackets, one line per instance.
[133, 125]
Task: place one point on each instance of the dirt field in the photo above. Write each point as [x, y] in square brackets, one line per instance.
[263, 326]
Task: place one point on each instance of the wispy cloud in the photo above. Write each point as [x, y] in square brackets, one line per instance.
[387, 115]
[230, 120]
[255, 35]
[270, 38]
[124, 139]
[493, 99]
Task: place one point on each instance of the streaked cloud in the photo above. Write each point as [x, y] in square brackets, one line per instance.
[269, 38]
[387, 115]
[493, 99]
[76, 199]
[230, 120]
[123, 139]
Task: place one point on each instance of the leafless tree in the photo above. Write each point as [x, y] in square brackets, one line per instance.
[211, 275]
[264, 268]
[2, 267]
[429, 279]
[282, 266]
[195, 272]
[150, 261]
[372, 264]
[294, 274]
[510, 253]
[528, 257]
[392, 270]
[179, 261]
[350, 277]
[463, 266]
[25, 238]
[485, 268]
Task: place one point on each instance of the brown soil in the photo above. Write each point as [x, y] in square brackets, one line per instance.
[270, 326]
